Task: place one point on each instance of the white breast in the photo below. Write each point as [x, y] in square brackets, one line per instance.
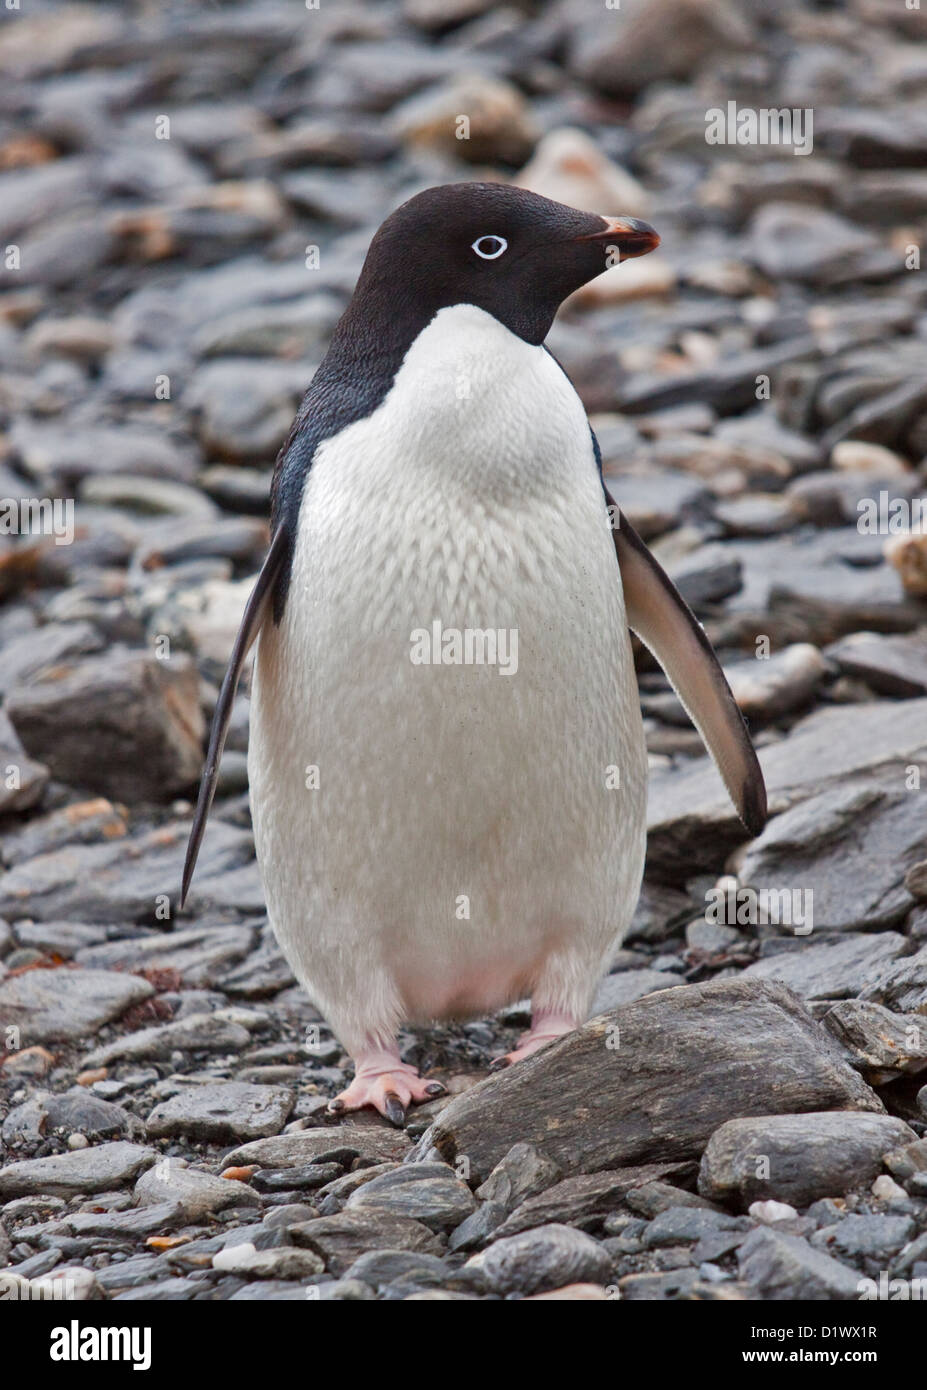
[463, 845]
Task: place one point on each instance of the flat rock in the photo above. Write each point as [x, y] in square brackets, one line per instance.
[200, 1194]
[343, 1238]
[221, 1111]
[428, 1192]
[373, 1143]
[902, 985]
[881, 1044]
[522, 1173]
[831, 970]
[890, 663]
[96, 1169]
[119, 880]
[806, 1156]
[198, 954]
[850, 847]
[876, 1237]
[651, 1081]
[64, 1004]
[198, 1032]
[690, 818]
[587, 1194]
[124, 724]
[781, 1266]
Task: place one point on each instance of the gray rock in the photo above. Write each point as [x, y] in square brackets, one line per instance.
[902, 986]
[522, 1173]
[335, 1143]
[198, 954]
[890, 663]
[652, 1081]
[198, 1032]
[908, 1160]
[869, 1237]
[380, 1267]
[627, 986]
[831, 970]
[782, 1266]
[851, 847]
[768, 689]
[882, 1044]
[78, 1111]
[582, 1197]
[655, 1196]
[199, 1194]
[428, 1192]
[223, 1111]
[792, 242]
[293, 1180]
[123, 724]
[25, 658]
[680, 1225]
[653, 43]
[548, 1257]
[97, 1169]
[689, 816]
[796, 1158]
[342, 1239]
[62, 1005]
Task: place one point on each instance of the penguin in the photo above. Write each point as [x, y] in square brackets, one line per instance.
[447, 761]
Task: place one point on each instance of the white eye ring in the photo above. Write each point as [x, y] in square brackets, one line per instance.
[490, 255]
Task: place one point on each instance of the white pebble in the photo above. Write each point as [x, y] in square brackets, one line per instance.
[887, 1190]
[78, 1141]
[233, 1256]
[767, 1212]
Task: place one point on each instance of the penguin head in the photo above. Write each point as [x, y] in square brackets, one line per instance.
[510, 252]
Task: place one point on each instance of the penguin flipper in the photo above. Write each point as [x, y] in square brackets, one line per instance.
[662, 619]
[256, 611]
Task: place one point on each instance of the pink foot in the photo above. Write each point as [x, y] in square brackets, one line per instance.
[381, 1080]
[545, 1028]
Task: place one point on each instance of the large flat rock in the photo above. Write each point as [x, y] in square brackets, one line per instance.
[691, 822]
[60, 1005]
[652, 1080]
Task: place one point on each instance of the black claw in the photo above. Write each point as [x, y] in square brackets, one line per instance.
[435, 1088]
[335, 1106]
[395, 1110]
[499, 1064]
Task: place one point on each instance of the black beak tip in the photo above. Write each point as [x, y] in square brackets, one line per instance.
[631, 235]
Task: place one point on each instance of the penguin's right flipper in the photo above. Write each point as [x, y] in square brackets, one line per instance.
[663, 621]
[256, 611]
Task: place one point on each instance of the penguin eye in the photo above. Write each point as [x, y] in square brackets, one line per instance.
[490, 248]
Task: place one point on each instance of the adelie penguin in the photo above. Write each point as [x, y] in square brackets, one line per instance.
[437, 835]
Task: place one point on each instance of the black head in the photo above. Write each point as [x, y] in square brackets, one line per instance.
[508, 251]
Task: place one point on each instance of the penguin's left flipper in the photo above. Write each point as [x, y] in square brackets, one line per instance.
[256, 611]
[662, 619]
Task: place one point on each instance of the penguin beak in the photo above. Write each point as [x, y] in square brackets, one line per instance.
[629, 234]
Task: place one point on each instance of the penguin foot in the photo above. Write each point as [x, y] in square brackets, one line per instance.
[546, 1028]
[389, 1088]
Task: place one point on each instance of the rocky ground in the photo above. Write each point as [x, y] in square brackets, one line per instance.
[745, 1119]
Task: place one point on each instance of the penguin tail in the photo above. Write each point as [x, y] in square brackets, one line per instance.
[256, 610]
[661, 618]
